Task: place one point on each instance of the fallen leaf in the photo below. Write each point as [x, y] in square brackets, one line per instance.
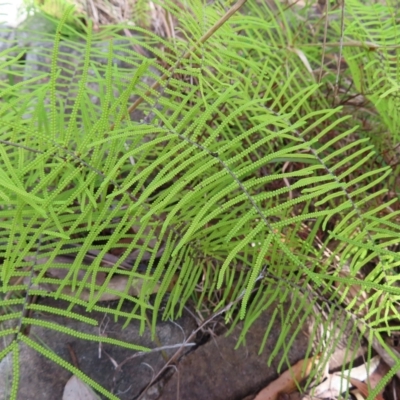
[363, 388]
[357, 394]
[338, 382]
[75, 389]
[372, 380]
[378, 374]
[286, 383]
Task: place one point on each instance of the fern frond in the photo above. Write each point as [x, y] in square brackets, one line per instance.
[237, 173]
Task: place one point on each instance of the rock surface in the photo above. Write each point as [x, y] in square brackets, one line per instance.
[214, 370]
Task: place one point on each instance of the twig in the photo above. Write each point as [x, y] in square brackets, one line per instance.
[187, 341]
[73, 356]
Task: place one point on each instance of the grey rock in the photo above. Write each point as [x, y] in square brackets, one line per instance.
[41, 378]
[216, 371]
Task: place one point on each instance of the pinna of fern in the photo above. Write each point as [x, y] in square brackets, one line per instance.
[240, 176]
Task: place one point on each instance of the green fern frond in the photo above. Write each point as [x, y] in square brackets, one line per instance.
[197, 187]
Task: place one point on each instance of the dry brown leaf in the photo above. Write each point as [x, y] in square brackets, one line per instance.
[363, 388]
[75, 389]
[378, 374]
[286, 383]
[339, 382]
[373, 381]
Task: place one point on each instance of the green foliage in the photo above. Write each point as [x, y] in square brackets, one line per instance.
[242, 173]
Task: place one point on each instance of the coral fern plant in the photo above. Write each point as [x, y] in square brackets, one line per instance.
[251, 177]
